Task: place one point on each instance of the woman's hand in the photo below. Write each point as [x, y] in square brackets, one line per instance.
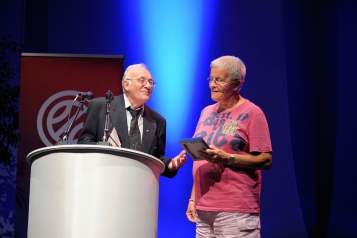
[215, 155]
[191, 211]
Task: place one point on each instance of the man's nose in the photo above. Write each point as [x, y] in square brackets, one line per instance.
[147, 84]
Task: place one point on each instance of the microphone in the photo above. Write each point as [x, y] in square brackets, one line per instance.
[109, 96]
[88, 95]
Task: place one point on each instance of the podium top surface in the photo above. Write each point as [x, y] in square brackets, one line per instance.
[33, 155]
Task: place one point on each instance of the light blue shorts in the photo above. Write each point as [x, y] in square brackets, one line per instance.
[227, 225]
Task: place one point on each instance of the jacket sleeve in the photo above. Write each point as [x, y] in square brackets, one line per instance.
[161, 149]
[89, 133]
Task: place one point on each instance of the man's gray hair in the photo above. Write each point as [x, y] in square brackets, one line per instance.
[234, 65]
[132, 68]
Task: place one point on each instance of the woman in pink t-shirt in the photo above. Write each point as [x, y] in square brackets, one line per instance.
[225, 197]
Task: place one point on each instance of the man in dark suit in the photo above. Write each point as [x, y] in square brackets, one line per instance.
[137, 87]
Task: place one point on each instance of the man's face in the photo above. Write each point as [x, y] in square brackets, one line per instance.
[222, 89]
[138, 93]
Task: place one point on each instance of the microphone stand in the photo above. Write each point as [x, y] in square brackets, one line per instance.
[64, 139]
[109, 97]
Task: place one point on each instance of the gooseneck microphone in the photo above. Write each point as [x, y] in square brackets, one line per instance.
[83, 95]
[86, 95]
[109, 96]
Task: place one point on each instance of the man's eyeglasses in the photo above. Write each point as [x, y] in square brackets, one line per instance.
[218, 81]
[144, 80]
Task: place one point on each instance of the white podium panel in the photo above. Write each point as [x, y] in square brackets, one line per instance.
[93, 191]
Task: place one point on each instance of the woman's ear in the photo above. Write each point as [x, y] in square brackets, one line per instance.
[238, 84]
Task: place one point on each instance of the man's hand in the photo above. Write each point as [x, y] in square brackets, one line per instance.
[191, 212]
[178, 161]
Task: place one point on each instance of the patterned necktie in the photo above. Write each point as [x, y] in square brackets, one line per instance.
[134, 134]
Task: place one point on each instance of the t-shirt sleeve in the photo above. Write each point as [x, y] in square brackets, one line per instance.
[258, 134]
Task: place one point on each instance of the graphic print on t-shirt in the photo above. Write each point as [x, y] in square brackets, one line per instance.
[230, 127]
[215, 128]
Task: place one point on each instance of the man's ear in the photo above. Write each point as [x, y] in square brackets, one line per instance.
[125, 84]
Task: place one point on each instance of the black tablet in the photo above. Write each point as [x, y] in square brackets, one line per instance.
[193, 145]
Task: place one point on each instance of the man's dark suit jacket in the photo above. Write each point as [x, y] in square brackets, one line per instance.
[154, 128]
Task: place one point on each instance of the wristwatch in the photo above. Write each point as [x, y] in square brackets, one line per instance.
[231, 160]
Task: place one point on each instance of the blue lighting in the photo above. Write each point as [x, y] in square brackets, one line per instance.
[172, 32]
[168, 36]
[173, 39]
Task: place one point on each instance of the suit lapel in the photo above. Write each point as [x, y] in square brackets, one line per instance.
[118, 117]
[119, 120]
[149, 130]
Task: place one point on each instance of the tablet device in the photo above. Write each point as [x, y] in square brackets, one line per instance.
[193, 145]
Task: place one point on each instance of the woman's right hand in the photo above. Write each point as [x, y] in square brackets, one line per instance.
[191, 211]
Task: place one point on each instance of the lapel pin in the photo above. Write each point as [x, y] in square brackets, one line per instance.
[147, 130]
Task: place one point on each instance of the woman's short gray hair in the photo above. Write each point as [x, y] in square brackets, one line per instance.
[234, 65]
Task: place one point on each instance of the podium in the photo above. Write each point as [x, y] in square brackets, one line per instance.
[93, 191]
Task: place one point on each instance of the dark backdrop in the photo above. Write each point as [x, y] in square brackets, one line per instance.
[300, 58]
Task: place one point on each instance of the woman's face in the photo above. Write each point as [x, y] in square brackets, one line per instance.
[222, 89]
